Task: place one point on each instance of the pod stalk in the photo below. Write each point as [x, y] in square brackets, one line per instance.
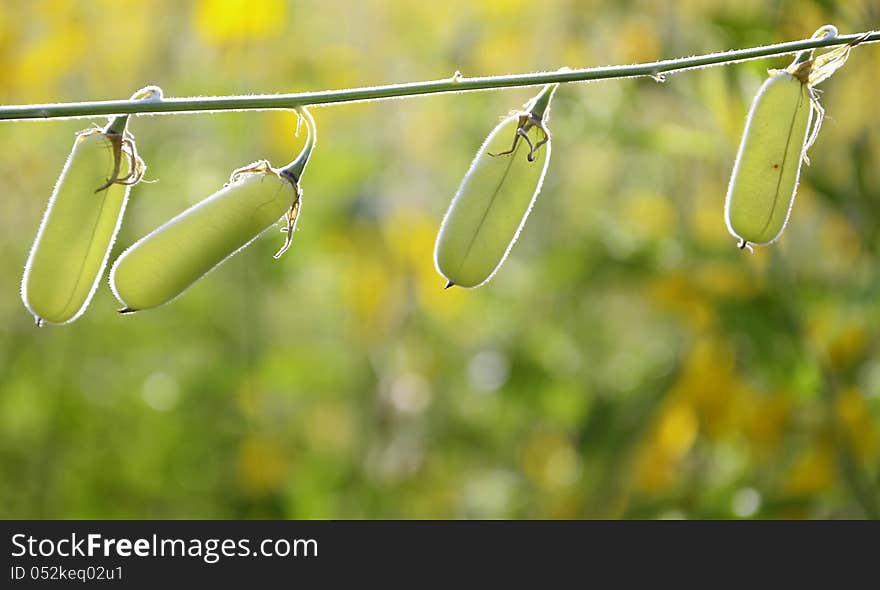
[295, 169]
[293, 173]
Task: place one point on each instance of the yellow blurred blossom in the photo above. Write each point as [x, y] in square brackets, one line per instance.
[722, 400]
[372, 293]
[410, 237]
[636, 41]
[675, 291]
[767, 417]
[47, 58]
[838, 335]
[249, 397]
[847, 346]
[672, 436]
[812, 472]
[648, 215]
[677, 429]
[707, 215]
[857, 423]
[261, 465]
[840, 241]
[726, 279]
[220, 21]
[653, 469]
[330, 426]
[550, 460]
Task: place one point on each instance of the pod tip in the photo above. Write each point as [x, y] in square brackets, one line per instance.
[744, 245]
[449, 284]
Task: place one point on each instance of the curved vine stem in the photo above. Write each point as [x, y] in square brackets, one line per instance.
[457, 83]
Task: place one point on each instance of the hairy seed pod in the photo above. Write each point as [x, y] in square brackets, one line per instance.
[79, 227]
[163, 264]
[783, 123]
[495, 197]
[765, 176]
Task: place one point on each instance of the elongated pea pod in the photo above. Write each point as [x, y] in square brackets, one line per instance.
[495, 197]
[783, 122]
[80, 224]
[765, 176]
[159, 267]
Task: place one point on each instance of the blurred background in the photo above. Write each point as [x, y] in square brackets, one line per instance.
[626, 362]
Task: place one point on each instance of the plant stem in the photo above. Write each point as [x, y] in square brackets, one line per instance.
[454, 84]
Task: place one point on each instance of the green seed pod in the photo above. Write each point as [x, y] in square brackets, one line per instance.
[780, 128]
[162, 265]
[79, 227]
[765, 176]
[495, 197]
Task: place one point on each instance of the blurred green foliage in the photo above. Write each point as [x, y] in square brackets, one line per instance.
[627, 361]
